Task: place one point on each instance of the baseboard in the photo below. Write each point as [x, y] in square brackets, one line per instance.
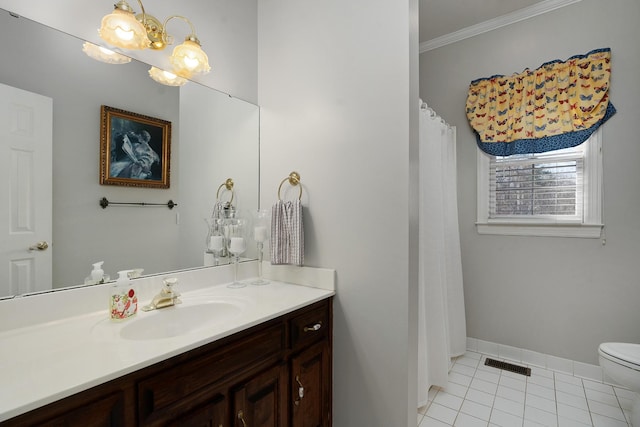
[533, 358]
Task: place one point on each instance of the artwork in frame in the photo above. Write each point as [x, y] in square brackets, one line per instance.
[135, 150]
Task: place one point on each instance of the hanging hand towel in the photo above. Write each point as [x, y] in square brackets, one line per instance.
[287, 234]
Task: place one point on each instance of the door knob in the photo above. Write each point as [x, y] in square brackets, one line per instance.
[40, 246]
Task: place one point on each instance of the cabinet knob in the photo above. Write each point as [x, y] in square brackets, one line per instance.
[313, 328]
[241, 418]
[300, 391]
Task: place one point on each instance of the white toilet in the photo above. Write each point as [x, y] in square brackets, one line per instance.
[621, 363]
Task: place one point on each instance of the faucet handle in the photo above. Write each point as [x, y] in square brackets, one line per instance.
[168, 286]
[170, 281]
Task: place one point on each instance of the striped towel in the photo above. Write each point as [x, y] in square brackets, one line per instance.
[287, 234]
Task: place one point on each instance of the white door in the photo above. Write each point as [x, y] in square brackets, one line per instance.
[26, 123]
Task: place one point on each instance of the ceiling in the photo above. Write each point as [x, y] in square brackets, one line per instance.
[440, 17]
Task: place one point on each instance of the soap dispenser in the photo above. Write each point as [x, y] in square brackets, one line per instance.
[97, 275]
[123, 302]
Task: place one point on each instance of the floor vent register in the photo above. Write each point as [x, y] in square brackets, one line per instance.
[508, 367]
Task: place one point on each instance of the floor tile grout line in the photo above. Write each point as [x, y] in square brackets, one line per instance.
[554, 377]
[555, 397]
[584, 391]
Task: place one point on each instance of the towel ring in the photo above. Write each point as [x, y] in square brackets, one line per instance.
[294, 179]
[228, 184]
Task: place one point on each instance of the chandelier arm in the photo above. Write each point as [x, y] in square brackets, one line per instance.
[144, 14]
[193, 29]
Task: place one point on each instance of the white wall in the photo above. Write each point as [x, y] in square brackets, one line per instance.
[227, 30]
[552, 295]
[338, 96]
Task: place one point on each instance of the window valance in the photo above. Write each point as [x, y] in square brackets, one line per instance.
[558, 105]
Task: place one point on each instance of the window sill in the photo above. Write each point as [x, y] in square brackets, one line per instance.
[587, 231]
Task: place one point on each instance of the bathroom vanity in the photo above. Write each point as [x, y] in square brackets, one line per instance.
[251, 368]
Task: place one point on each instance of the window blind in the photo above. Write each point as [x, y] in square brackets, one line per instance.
[537, 185]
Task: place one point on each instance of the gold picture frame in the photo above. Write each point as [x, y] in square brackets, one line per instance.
[135, 150]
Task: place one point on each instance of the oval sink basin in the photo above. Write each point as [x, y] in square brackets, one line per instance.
[179, 320]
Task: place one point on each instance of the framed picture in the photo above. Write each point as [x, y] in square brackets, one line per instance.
[135, 150]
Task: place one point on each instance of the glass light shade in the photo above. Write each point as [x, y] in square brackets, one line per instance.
[121, 28]
[165, 77]
[188, 58]
[103, 54]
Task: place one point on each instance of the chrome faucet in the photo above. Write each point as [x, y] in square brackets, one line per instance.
[166, 298]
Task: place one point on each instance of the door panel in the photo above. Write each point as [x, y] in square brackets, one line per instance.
[26, 190]
[310, 387]
[261, 401]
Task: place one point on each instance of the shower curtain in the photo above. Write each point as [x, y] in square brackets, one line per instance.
[442, 329]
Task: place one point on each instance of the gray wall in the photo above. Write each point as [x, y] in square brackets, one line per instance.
[559, 296]
[338, 97]
[228, 130]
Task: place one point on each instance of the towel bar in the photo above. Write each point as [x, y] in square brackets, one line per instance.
[104, 202]
[228, 184]
[294, 179]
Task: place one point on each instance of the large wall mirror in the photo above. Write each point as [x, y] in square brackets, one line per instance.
[214, 137]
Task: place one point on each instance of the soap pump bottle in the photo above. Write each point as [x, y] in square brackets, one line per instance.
[97, 274]
[123, 302]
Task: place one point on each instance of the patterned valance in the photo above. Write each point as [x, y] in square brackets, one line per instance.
[556, 106]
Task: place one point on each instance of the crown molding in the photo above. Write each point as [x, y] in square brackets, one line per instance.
[495, 23]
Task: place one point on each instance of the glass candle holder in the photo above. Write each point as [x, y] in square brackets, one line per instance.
[216, 246]
[261, 227]
[235, 234]
[214, 231]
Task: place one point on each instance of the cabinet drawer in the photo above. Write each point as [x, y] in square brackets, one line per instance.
[80, 410]
[311, 325]
[191, 382]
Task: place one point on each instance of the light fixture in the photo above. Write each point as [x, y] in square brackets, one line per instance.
[187, 58]
[165, 77]
[121, 28]
[103, 54]
[126, 30]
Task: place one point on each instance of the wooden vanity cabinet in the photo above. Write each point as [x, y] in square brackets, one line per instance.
[276, 374]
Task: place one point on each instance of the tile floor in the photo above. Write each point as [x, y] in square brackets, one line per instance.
[480, 395]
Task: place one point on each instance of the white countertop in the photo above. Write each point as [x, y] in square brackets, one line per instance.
[47, 361]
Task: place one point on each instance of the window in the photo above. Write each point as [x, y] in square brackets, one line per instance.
[557, 193]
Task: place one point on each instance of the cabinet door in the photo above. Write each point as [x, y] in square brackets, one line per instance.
[310, 387]
[211, 414]
[261, 401]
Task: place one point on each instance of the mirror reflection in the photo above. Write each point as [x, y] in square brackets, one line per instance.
[214, 137]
